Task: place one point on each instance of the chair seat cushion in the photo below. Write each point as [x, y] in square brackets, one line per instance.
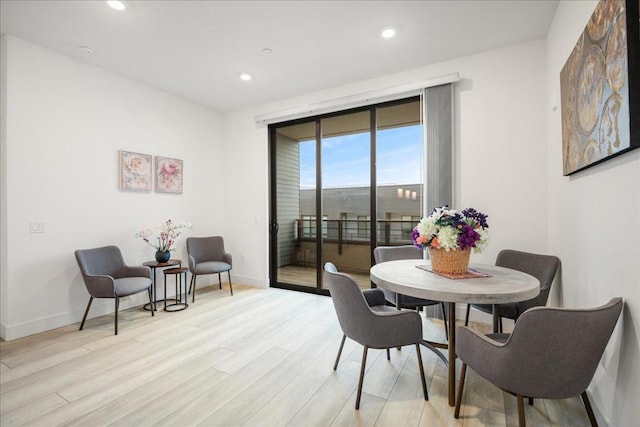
[501, 338]
[211, 267]
[508, 310]
[131, 285]
[407, 301]
[383, 308]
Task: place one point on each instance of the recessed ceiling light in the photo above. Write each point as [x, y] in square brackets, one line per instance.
[115, 4]
[266, 50]
[388, 32]
[245, 76]
[86, 49]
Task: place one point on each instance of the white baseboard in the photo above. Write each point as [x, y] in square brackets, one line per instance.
[99, 307]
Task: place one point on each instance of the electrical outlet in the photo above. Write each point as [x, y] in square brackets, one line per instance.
[36, 227]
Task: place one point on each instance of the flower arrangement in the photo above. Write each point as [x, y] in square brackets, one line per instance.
[449, 229]
[164, 237]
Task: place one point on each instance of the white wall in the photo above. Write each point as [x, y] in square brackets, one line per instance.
[500, 160]
[246, 199]
[65, 123]
[595, 230]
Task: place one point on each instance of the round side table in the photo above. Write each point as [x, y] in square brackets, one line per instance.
[153, 265]
[178, 274]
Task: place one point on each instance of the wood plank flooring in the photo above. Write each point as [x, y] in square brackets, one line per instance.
[262, 357]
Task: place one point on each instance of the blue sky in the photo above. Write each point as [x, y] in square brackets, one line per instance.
[346, 158]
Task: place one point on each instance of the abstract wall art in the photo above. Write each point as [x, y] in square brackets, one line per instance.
[135, 171]
[600, 88]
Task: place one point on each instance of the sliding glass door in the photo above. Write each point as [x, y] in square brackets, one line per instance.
[399, 166]
[341, 184]
[346, 193]
[294, 224]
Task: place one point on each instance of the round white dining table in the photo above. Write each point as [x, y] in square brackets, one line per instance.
[503, 286]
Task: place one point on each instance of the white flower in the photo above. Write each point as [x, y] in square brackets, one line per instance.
[448, 238]
[162, 238]
[450, 230]
[484, 240]
[427, 227]
[145, 232]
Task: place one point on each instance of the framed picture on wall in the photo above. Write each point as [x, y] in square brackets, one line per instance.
[168, 175]
[135, 171]
[599, 87]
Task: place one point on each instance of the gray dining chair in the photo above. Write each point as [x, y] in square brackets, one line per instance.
[542, 267]
[394, 253]
[552, 353]
[207, 256]
[365, 318]
[106, 275]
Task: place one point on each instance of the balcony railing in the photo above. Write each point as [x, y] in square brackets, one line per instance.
[356, 231]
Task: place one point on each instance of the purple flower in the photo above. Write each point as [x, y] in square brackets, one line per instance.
[449, 229]
[468, 237]
[478, 217]
[414, 237]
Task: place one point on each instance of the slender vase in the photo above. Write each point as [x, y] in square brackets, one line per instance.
[163, 256]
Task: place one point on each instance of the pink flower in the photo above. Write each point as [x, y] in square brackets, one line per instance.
[169, 168]
[421, 240]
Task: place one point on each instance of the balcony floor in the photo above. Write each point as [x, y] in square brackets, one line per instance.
[306, 276]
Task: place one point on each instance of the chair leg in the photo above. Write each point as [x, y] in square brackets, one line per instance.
[85, 313]
[388, 355]
[335, 365]
[531, 401]
[501, 330]
[466, 317]
[398, 307]
[230, 287]
[587, 406]
[219, 281]
[463, 374]
[151, 301]
[424, 382]
[444, 318]
[521, 419]
[193, 296]
[364, 364]
[117, 306]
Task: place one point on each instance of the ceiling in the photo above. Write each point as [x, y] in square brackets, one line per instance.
[198, 49]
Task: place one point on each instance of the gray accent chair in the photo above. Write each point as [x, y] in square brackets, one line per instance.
[365, 318]
[207, 256]
[106, 275]
[542, 267]
[394, 253]
[552, 353]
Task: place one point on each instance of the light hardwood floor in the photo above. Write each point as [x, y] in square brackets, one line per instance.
[262, 357]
